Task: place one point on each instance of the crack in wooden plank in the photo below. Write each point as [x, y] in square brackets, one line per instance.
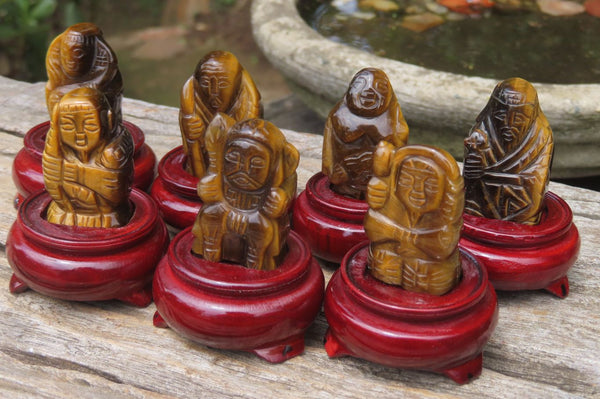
[58, 363]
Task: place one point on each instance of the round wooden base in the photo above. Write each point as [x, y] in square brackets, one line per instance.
[85, 263]
[331, 223]
[27, 166]
[227, 306]
[526, 257]
[388, 325]
[176, 191]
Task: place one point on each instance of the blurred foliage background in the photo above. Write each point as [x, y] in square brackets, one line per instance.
[157, 42]
[28, 26]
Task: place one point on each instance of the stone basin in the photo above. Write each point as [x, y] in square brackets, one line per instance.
[440, 107]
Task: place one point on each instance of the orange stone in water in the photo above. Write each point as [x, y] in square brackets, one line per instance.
[592, 7]
[466, 6]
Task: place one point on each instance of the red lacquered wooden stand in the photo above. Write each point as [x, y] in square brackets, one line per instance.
[388, 325]
[228, 306]
[84, 263]
[27, 166]
[176, 191]
[331, 223]
[524, 257]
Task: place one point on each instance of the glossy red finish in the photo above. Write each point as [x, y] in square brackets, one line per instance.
[85, 263]
[388, 325]
[526, 257]
[27, 166]
[227, 306]
[175, 190]
[329, 222]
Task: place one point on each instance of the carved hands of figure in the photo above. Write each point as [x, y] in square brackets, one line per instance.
[219, 84]
[80, 57]
[246, 193]
[87, 163]
[415, 216]
[367, 114]
[508, 155]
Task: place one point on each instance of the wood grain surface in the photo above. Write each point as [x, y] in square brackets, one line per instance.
[543, 347]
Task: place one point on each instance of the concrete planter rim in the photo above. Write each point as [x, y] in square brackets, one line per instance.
[430, 100]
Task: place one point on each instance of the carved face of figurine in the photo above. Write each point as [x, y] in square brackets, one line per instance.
[219, 77]
[77, 52]
[80, 121]
[247, 164]
[369, 93]
[420, 184]
[513, 113]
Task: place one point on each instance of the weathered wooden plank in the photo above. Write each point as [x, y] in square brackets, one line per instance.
[542, 347]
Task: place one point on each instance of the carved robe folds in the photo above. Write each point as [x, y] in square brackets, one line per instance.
[247, 193]
[219, 84]
[415, 217]
[508, 155]
[87, 163]
[368, 113]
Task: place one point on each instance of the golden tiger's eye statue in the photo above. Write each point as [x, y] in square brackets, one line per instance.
[415, 215]
[87, 162]
[367, 114]
[219, 84]
[508, 155]
[81, 57]
[246, 194]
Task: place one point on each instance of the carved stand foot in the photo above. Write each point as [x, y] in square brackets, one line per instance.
[141, 298]
[82, 263]
[16, 285]
[228, 306]
[27, 165]
[524, 257]
[329, 222]
[385, 324]
[175, 190]
[559, 287]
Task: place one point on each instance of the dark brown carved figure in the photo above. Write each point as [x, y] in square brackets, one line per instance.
[415, 215]
[368, 113]
[87, 163]
[219, 84]
[80, 57]
[246, 194]
[508, 155]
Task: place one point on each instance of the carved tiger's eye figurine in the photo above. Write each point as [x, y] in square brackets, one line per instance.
[508, 155]
[247, 193]
[88, 236]
[410, 298]
[219, 84]
[368, 113]
[81, 57]
[415, 216]
[523, 234]
[87, 162]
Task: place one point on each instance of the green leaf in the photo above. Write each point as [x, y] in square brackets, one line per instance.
[6, 32]
[71, 14]
[43, 9]
[22, 4]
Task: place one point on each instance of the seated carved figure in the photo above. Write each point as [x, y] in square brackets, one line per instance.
[367, 114]
[80, 57]
[415, 215]
[219, 84]
[87, 163]
[246, 194]
[508, 155]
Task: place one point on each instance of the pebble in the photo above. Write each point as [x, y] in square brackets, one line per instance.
[379, 5]
[592, 7]
[560, 7]
[422, 22]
